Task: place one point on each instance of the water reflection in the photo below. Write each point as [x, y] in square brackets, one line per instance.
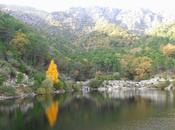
[117, 110]
[52, 113]
[51, 108]
[153, 95]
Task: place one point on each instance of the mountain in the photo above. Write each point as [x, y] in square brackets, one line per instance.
[86, 43]
[79, 20]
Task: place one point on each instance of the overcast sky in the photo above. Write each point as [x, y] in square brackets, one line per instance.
[55, 5]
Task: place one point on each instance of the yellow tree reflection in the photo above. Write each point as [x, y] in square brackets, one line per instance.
[52, 112]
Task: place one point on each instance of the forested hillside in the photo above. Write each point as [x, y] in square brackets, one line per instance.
[106, 51]
[22, 50]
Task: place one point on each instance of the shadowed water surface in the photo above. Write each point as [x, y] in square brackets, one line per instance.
[117, 110]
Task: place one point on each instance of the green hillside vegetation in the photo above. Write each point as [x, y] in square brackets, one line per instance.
[107, 35]
[166, 31]
[22, 50]
[106, 53]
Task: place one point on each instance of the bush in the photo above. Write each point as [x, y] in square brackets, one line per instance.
[6, 69]
[19, 78]
[41, 90]
[162, 85]
[69, 84]
[7, 91]
[49, 90]
[46, 87]
[27, 90]
[44, 90]
[168, 49]
[47, 83]
[137, 68]
[114, 76]
[59, 85]
[38, 78]
[95, 83]
[173, 82]
[76, 86]
[2, 79]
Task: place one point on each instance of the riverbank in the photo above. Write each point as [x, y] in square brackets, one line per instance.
[111, 85]
[25, 95]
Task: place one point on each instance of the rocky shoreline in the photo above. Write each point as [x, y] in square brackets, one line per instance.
[112, 85]
[26, 95]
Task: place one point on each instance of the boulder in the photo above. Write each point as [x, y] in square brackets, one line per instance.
[170, 87]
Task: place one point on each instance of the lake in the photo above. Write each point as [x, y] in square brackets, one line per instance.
[117, 110]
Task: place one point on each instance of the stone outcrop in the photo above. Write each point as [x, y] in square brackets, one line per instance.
[169, 87]
[125, 85]
[25, 81]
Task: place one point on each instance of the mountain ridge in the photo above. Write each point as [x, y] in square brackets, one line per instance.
[78, 19]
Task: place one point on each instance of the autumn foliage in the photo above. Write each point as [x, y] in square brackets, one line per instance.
[168, 50]
[137, 67]
[52, 72]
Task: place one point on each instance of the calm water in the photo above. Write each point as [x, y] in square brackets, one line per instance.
[129, 110]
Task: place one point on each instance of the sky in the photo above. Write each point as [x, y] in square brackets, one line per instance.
[56, 5]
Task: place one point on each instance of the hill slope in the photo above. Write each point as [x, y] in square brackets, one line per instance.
[78, 19]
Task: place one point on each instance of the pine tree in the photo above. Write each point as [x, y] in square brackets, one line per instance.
[52, 72]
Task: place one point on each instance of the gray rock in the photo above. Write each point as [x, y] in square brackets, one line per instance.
[122, 85]
[170, 87]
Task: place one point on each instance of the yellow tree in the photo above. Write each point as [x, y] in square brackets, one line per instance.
[52, 72]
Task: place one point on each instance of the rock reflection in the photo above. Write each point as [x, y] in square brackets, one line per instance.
[9, 106]
[153, 95]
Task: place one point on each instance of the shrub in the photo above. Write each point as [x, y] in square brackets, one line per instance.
[162, 85]
[59, 85]
[95, 83]
[5, 68]
[19, 78]
[7, 91]
[38, 78]
[137, 68]
[173, 82]
[76, 86]
[49, 90]
[44, 90]
[27, 90]
[2, 79]
[46, 87]
[114, 76]
[168, 49]
[41, 90]
[69, 84]
[47, 83]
